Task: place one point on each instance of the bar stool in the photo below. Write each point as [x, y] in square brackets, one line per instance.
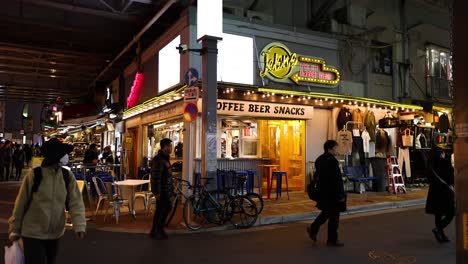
[252, 174]
[237, 187]
[278, 175]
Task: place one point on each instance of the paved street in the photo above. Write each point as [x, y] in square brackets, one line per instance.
[396, 236]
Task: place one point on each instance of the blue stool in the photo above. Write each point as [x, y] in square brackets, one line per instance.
[278, 175]
[224, 180]
[251, 181]
[237, 184]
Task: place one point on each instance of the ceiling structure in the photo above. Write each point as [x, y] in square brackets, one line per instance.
[66, 49]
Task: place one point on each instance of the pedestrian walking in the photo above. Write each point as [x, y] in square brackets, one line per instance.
[162, 188]
[2, 160]
[331, 195]
[18, 161]
[8, 158]
[39, 213]
[28, 153]
[441, 196]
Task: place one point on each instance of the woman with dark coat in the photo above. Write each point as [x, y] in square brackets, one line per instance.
[441, 197]
[331, 195]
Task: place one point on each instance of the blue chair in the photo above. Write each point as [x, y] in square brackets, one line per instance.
[278, 175]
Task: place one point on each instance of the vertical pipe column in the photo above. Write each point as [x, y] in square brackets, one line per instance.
[460, 61]
[209, 115]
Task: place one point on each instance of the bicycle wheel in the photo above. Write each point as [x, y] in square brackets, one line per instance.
[212, 210]
[243, 212]
[174, 204]
[257, 199]
[193, 214]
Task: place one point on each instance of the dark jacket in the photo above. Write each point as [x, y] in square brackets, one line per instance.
[18, 157]
[330, 184]
[89, 156]
[440, 198]
[161, 175]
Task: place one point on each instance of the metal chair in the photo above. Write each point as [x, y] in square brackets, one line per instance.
[145, 195]
[106, 196]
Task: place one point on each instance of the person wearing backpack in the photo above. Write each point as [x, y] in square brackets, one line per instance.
[38, 216]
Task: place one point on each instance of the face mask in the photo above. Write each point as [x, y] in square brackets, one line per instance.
[64, 160]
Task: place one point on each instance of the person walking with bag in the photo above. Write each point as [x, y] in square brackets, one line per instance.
[162, 188]
[441, 196]
[331, 198]
[39, 213]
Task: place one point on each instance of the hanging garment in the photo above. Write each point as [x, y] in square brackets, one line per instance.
[357, 116]
[365, 141]
[381, 143]
[404, 157]
[370, 123]
[443, 123]
[357, 148]
[343, 116]
[421, 141]
[345, 141]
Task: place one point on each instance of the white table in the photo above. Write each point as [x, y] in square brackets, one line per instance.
[132, 184]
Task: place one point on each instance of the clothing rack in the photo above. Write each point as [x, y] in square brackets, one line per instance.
[360, 124]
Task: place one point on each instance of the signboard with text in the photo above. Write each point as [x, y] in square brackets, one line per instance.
[279, 64]
[261, 109]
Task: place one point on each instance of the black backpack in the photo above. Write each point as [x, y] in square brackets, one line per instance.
[37, 178]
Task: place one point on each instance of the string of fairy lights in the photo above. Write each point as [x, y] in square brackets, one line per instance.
[316, 99]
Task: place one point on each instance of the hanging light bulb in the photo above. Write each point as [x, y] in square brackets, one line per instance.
[263, 95]
[336, 101]
[342, 100]
[316, 100]
[308, 97]
[282, 97]
[326, 99]
[232, 89]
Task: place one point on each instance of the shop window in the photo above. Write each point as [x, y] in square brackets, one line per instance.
[439, 71]
[158, 131]
[381, 58]
[238, 139]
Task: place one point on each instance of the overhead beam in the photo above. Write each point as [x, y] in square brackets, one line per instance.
[83, 10]
[48, 70]
[52, 52]
[6, 87]
[52, 76]
[50, 62]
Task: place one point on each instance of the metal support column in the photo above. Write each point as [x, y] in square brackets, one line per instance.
[209, 115]
[460, 66]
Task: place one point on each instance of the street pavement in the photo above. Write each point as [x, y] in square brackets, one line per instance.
[391, 236]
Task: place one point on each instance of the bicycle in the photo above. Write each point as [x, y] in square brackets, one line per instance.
[177, 196]
[257, 198]
[202, 207]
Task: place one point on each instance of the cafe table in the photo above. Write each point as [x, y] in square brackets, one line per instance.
[132, 184]
[268, 168]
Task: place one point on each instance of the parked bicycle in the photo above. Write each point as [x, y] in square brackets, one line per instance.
[178, 196]
[257, 198]
[201, 207]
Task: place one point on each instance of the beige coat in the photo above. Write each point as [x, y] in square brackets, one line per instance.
[45, 218]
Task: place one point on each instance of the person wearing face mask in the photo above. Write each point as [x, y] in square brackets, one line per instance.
[38, 217]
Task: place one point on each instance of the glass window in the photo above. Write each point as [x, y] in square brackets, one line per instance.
[238, 139]
[439, 62]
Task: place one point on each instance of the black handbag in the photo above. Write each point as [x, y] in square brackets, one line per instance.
[388, 121]
[312, 188]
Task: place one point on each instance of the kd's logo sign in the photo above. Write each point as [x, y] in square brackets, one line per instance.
[277, 61]
[281, 65]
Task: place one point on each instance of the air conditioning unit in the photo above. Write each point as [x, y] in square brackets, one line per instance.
[233, 10]
[259, 16]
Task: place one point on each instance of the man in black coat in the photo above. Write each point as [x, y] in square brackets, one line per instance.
[441, 197]
[162, 188]
[331, 195]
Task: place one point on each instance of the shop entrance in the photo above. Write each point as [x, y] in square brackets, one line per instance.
[283, 143]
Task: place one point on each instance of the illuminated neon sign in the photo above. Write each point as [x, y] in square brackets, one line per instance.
[132, 98]
[279, 64]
